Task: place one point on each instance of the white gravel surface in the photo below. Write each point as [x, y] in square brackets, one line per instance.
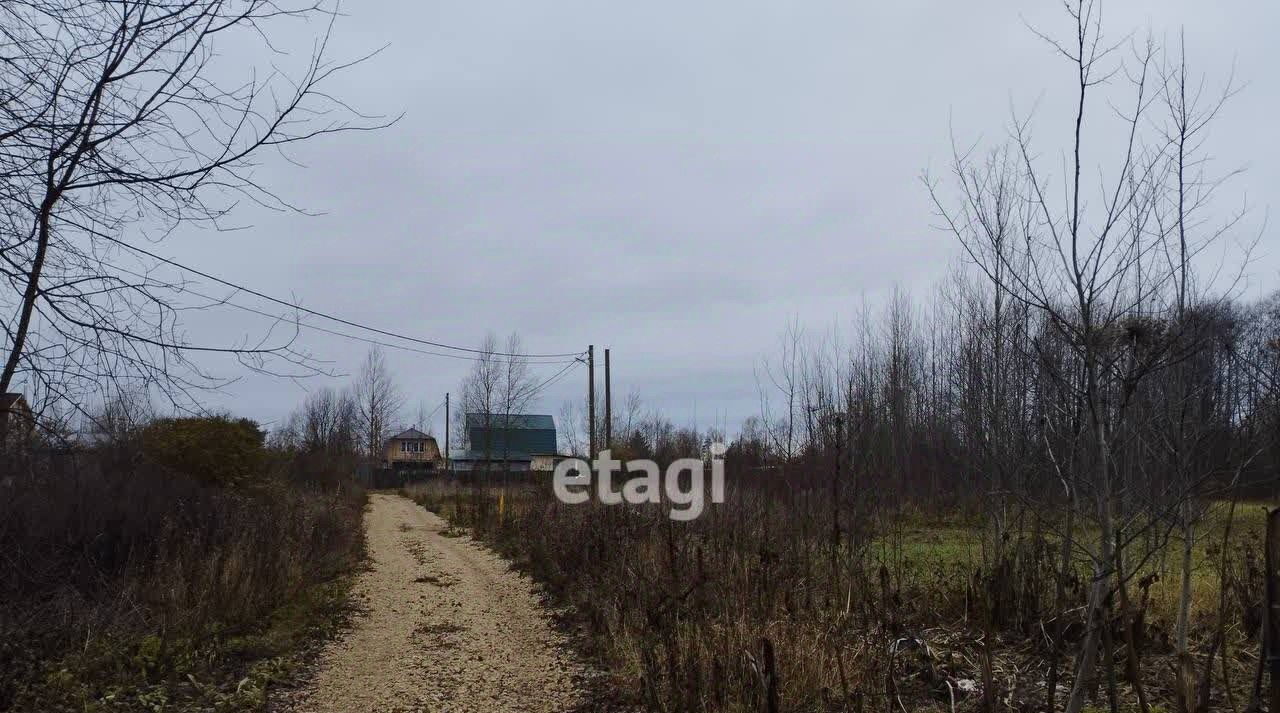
[445, 625]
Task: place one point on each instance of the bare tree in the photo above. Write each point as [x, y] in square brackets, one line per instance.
[329, 423]
[516, 389]
[1096, 270]
[629, 427]
[500, 386]
[422, 418]
[378, 400]
[120, 122]
[572, 431]
[322, 438]
[482, 394]
[784, 377]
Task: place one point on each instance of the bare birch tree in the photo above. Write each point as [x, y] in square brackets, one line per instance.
[378, 401]
[482, 394]
[515, 389]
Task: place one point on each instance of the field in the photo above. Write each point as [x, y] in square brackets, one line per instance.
[925, 546]
[752, 608]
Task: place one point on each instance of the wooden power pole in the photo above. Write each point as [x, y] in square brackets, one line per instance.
[591, 401]
[446, 430]
[608, 404]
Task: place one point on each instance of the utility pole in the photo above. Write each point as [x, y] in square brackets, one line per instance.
[591, 401]
[608, 404]
[446, 430]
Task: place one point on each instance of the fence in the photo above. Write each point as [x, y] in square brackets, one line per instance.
[391, 479]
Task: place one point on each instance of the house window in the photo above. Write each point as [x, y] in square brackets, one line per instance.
[410, 446]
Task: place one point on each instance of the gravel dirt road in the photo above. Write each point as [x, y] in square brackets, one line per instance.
[445, 625]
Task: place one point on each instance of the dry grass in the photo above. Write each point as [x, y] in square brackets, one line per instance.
[747, 603]
[132, 588]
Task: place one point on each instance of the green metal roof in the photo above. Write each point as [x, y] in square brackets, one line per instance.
[499, 433]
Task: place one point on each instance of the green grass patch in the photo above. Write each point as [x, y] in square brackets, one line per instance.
[921, 548]
[219, 670]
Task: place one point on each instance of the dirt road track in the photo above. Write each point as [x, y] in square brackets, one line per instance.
[445, 626]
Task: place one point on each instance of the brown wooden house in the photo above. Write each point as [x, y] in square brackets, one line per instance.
[412, 450]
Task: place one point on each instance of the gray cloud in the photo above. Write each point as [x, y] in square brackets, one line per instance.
[672, 179]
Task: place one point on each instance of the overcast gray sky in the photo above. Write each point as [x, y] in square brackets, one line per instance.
[674, 180]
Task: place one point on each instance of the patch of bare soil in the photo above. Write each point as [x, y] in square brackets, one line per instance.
[446, 626]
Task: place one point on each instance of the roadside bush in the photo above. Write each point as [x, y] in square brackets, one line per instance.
[214, 449]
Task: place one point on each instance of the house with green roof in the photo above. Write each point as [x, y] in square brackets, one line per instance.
[508, 441]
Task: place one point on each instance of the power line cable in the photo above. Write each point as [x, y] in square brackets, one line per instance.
[432, 414]
[334, 332]
[554, 378]
[323, 315]
[435, 411]
[536, 390]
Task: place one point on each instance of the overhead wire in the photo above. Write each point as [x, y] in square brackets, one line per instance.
[554, 378]
[481, 355]
[331, 317]
[568, 359]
